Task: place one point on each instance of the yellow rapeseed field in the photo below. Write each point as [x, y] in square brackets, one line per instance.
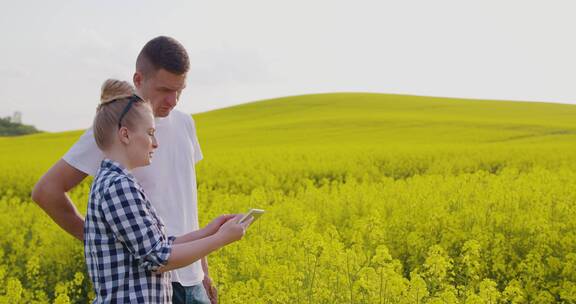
[370, 198]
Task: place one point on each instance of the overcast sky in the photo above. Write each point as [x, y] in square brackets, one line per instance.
[54, 55]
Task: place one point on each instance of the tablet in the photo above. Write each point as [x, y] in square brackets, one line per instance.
[255, 213]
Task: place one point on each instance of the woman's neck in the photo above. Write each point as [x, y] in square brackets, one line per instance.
[119, 157]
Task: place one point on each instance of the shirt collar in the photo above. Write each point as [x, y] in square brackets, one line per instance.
[115, 166]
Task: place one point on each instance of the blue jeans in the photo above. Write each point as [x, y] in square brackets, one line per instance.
[189, 294]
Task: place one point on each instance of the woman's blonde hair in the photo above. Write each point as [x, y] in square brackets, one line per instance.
[113, 107]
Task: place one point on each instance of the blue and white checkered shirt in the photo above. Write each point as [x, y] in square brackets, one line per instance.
[125, 241]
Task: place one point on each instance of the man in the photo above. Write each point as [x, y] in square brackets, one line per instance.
[169, 182]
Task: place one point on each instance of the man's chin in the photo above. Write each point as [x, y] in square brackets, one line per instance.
[162, 113]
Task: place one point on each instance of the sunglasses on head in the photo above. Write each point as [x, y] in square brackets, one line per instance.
[132, 99]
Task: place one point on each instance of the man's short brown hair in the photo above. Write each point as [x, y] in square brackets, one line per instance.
[163, 53]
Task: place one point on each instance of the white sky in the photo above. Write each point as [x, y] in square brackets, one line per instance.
[54, 55]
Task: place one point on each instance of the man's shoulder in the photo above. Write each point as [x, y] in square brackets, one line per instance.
[84, 155]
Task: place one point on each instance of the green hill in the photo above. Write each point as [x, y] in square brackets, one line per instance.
[345, 120]
[367, 119]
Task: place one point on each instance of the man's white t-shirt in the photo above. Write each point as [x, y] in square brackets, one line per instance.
[169, 182]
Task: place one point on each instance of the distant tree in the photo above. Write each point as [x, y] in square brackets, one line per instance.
[8, 128]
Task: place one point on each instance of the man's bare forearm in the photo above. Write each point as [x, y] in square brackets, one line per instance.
[62, 210]
[69, 218]
[50, 194]
[204, 262]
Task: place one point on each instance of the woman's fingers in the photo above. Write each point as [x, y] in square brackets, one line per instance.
[228, 217]
[247, 222]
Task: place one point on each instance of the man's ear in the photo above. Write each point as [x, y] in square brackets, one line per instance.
[137, 79]
[124, 135]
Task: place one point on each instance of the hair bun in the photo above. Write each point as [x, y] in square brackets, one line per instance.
[114, 89]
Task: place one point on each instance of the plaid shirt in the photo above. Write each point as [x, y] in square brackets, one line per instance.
[125, 241]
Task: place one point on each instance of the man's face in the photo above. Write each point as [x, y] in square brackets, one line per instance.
[162, 88]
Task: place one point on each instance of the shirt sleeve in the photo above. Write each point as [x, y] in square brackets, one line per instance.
[85, 155]
[195, 143]
[132, 223]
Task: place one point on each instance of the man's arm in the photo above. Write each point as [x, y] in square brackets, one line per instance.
[204, 262]
[50, 194]
[208, 284]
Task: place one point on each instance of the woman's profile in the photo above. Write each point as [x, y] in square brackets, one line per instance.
[127, 251]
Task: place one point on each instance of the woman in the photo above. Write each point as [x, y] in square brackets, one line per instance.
[126, 247]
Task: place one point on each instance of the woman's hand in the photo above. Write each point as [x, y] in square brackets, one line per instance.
[215, 224]
[232, 231]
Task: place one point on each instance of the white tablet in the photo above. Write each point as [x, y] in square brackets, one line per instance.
[255, 213]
